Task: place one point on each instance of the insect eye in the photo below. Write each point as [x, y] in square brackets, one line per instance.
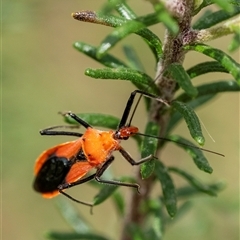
[122, 134]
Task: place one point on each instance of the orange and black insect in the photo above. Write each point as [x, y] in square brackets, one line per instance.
[67, 164]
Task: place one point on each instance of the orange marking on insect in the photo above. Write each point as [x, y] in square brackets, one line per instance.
[98, 145]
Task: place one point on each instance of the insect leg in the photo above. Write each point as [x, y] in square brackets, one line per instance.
[79, 120]
[69, 185]
[49, 131]
[86, 179]
[101, 170]
[128, 157]
[130, 103]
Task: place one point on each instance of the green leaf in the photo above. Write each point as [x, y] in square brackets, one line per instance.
[225, 60]
[205, 67]
[136, 232]
[105, 192]
[126, 29]
[156, 228]
[72, 216]
[91, 51]
[95, 119]
[161, 15]
[225, 5]
[235, 2]
[212, 88]
[132, 57]
[149, 147]
[191, 119]
[74, 236]
[188, 191]
[168, 188]
[196, 153]
[166, 18]
[200, 4]
[123, 9]
[119, 203]
[139, 79]
[117, 22]
[155, 231]
[235, 43]
[215, 18]
[204, 188]
[147, 168]
[182, 78]
[150, 38]
[176, 116]
[117, 35]
[154, 205]
[183, 209]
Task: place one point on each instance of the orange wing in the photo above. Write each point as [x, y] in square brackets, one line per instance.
[67, 150]
[77, 171]
[53, 167]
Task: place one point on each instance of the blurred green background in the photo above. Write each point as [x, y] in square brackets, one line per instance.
[42, 74]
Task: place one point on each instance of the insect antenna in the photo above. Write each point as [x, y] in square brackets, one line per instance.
[180, 143]
[126, 113]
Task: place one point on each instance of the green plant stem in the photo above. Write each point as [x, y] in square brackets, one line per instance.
[172, 53]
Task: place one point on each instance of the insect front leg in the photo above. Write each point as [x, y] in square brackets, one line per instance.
[130, 104]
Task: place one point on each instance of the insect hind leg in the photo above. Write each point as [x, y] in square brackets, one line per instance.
[101, 170]
[63, 186]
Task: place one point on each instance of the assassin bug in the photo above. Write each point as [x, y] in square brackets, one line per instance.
[65, 165]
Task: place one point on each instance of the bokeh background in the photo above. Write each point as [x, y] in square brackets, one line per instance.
[42, 74]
